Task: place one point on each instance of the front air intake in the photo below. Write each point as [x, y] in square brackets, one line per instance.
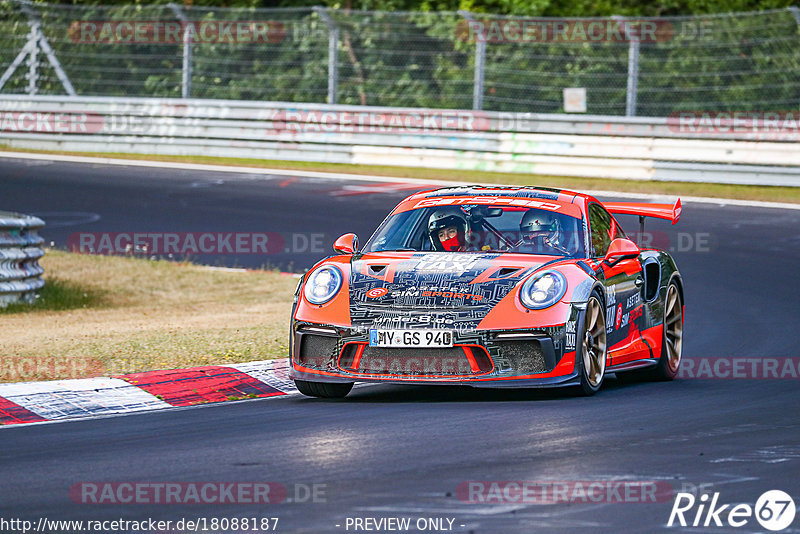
[316, 351]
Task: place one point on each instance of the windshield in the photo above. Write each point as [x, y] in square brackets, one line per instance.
[480, 228]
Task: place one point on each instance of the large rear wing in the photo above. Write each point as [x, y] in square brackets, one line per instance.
[659, 211]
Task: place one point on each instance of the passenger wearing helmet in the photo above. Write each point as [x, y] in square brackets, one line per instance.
[542, 231]
[448, 230]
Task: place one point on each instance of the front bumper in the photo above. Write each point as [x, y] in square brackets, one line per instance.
[536, 357]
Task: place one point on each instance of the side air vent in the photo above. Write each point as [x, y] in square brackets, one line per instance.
[375, 269]
[652, 277]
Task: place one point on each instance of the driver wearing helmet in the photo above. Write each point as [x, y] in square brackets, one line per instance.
[448, 230]
[542, 231]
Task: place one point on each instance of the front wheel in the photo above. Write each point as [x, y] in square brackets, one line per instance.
[326, 390]
[592, 351]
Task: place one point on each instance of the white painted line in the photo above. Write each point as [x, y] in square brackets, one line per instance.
[219, 168]
[368, 178]
[80, 397]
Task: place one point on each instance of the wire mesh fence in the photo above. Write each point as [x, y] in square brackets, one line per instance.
[645, 67]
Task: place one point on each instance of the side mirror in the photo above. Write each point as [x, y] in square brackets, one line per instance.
[621, 249]
[346, 244]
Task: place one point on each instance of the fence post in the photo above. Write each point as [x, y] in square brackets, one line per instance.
[633, 68]
[33, 60]
[480, 62]
[333, 53]
[795, 11]
[186, 68]
[36, 41]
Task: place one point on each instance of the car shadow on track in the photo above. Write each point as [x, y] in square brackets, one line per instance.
[398, 394]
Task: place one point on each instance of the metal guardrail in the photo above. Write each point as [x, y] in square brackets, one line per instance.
[567, 145]
[20, 272]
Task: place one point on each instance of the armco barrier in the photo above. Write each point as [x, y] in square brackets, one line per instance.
[568, 145]
[20, 272]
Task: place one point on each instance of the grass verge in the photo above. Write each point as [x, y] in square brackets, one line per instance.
[741, 192]
[104, 315]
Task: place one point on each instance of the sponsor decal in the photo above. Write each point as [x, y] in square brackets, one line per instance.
[454, 263]
[636, 313]
[619, 317]
[610, 316]
[611, 295]
[570, 336]
[377, 292]
[458, 201]
[676, 211]
[633, 300]
[452, 295]
[411, 292]
[437, 321]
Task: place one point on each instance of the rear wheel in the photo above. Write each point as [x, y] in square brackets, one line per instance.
[592, 349]
[327, 390]
[672, 342]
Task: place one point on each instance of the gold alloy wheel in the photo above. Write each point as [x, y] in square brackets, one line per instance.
[673, 327]
[594, 343]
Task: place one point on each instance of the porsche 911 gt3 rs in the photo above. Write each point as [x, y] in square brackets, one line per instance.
[490, 287]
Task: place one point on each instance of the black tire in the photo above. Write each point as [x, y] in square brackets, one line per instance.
[591, 339]
[325, 390]
[672, 339]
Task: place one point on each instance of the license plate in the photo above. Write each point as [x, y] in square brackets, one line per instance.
[410, 338]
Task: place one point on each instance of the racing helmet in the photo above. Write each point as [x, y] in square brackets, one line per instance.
[541, 225]
[448, 230]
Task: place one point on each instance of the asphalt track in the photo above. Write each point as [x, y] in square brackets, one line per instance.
[389, 451]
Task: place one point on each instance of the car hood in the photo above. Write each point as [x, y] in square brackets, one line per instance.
[429, 281]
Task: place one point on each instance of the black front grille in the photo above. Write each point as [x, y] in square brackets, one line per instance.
[316, 351]
[524, 356]
[422, 362]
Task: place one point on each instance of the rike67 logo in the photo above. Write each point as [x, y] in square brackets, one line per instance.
[774, 510]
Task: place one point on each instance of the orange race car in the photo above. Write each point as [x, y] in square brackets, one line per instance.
[490, 287]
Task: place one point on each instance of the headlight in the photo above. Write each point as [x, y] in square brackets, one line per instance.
[323, 284]
[543, 290]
